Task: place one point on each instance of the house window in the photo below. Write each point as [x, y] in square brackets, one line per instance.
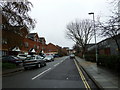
[26, 44]
[3, 53]
[35, 39]
[1, 26]
[37, 47]
[4, 41]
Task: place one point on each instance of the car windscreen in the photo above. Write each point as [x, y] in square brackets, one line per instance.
[15, 57]
[47, 57]
[23, 55]
[30, 58]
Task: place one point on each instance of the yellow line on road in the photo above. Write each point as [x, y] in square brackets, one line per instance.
[82, 77]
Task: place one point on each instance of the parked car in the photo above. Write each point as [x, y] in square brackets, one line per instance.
[56, 55]
[33, 61]
[48, 58]
[72, 56]
[11, 59]
[22, 56]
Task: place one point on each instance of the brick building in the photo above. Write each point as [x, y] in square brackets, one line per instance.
[31, 41]
[26, 43]
[12, 38]
[51, 49]
[42, 40]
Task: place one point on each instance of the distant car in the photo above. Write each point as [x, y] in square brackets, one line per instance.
[22, 56]
[56, 55]
[48, 58]
[33, 61]
[72, 56]
[11, 59]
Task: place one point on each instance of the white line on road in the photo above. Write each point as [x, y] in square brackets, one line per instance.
[56, 64]
[40, 74]
[61, 61]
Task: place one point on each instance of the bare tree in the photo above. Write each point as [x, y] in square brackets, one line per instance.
[80, 32]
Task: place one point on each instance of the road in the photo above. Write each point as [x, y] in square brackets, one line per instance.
[61, 73]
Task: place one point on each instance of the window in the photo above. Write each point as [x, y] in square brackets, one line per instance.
[26, 44]
[37, 57]
[1, 26]
[4, 41]
[37, 47]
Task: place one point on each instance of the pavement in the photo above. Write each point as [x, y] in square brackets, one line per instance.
[8, 71]
[105, 79]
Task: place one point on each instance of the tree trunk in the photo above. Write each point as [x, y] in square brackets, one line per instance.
[83, 53]
[117, 46]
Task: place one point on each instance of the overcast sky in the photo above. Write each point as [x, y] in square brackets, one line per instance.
[52, 16]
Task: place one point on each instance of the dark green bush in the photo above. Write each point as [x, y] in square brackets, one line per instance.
[8, 65]
[109, 61]
[90, 58]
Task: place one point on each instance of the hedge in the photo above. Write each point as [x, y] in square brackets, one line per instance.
[111, 61]
[8, 65]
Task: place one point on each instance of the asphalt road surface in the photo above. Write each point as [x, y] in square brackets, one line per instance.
[61, 73]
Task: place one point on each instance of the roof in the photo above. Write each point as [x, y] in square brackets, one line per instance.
[32, 50]
[52, 44]
[41, 38]
[32, 35]
[16, 49]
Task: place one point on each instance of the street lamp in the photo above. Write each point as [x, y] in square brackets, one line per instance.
[92, 13]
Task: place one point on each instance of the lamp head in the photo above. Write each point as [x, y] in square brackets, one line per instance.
[91, 13]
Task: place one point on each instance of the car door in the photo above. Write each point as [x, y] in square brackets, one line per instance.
[41, 60]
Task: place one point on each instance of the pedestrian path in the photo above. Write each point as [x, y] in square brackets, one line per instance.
[8, 71]
[103, 77]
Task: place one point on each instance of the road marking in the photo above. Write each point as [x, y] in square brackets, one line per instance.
[61, 61]
[67, 78]
[56, 64]
[40, 74]
[82, 77]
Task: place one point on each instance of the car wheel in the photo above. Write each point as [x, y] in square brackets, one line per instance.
[45, 64]
[39, 65]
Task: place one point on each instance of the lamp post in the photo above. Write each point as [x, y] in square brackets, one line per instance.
[92, 13]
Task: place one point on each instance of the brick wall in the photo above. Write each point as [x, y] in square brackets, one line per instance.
[28, 44]
[51, 48]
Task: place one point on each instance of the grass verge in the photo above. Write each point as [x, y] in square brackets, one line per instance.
[8, 65]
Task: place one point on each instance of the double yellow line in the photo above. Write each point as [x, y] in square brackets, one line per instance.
[82, 77]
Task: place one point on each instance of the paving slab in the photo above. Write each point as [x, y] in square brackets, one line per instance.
[8, 71]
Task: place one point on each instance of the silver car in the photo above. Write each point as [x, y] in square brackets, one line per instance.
[48, 58]
[33, 61]
[72, 56]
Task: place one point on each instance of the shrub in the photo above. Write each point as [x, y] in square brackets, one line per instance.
[8, 65]
[109, 61]
[90, 58]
